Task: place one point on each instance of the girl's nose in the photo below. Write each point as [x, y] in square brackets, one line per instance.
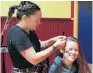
[73, 52]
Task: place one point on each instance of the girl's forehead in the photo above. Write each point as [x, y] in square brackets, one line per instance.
[71, 44]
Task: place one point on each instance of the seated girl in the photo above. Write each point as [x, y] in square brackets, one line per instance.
[71, 60]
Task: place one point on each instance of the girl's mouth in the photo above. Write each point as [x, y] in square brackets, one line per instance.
[73, 56]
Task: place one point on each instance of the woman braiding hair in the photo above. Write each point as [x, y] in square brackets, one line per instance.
[23, 43]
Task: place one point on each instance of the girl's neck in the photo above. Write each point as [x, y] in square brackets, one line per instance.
[68, 63]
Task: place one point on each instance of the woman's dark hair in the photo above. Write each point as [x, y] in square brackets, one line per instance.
[24, 8]
[81, 63]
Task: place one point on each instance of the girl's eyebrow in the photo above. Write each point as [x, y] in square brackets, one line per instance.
[74, 48]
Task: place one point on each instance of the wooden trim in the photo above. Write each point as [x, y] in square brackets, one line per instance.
[75, 19]
[43, 18]
[72, 9]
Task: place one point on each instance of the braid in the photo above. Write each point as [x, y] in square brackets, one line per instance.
[10, 13]
[26, 8]
[11, 10]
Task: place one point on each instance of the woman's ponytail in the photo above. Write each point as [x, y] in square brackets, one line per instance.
[10, 13]
[12, 10]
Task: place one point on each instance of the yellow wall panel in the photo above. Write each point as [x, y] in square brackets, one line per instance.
[56, 9]
[50, 9]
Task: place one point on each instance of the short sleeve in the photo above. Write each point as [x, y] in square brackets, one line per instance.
[20, 40]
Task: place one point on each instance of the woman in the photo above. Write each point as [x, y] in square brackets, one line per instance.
[72, 61]
[23, 43]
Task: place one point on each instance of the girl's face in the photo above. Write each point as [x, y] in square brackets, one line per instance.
[72, 51]
[34, 20]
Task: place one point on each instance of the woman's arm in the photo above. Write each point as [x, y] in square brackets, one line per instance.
[47, 43]
[51, 41]
[35, 58]
[38, 57]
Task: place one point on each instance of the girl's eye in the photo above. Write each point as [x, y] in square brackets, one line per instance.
[76, 50]
[70, 49]
[73, 49]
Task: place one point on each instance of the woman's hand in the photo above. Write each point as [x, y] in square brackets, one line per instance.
[60, 43]
[51, 41]
[58, 37]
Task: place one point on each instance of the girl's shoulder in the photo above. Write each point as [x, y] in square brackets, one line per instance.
[58, 60]
[55, 65]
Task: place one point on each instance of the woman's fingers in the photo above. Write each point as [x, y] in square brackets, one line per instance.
[60, 43]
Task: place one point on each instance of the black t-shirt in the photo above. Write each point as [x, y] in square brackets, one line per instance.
[18, 40]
